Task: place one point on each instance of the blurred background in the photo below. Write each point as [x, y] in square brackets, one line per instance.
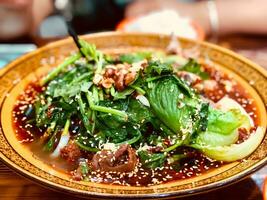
[236, 24]
[240, 25]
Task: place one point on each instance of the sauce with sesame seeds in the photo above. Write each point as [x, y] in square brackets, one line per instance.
[193, 165]
[22, 111]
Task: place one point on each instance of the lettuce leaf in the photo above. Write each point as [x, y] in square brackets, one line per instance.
[235, 151]
[222, 128]
[225, 122]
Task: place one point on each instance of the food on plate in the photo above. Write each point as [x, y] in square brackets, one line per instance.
[139, 119]
[164, 22]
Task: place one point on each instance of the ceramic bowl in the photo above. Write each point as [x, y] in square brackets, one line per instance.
[20, 72]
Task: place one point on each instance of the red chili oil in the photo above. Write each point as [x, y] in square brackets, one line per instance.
[194, 164]
[25, 132]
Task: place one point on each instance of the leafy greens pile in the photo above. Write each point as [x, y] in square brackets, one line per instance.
[156, 107]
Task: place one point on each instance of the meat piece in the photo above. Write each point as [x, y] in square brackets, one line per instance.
[122, 160]
[71, 153]
[77, 174]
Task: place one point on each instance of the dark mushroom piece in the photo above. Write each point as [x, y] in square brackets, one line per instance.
[122, 160]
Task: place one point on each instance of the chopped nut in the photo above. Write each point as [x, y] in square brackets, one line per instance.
[97, 79]
[109, 72]
[130, 77]
[119, 81]
[107, 83]
[124, 66]
[139, 65]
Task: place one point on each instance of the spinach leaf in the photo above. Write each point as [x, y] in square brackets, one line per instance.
[158, 68]
[89, 143]
[127, 134]
[151, 161]
[124, 94]
[134, 57]
[112, 121]
[173, 106]
[195, 68]
[117, 135]
[41, 117]
[70, 84]
[138, 113]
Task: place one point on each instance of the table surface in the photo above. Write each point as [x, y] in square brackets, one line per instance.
[13, 186]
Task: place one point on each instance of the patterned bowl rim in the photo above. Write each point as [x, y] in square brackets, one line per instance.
[188, 192]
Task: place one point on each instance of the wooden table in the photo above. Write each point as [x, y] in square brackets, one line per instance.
[12, 186]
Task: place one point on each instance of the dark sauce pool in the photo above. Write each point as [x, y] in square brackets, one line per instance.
[194, 164]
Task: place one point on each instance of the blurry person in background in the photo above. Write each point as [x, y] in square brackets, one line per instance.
[20, 18]
[233, 16]
[23, 17]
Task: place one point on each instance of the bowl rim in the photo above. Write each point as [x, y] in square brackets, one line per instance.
[201, 189]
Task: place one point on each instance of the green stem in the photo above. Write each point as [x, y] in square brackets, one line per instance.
[93, 118]
[86, 147]
[85, 75]
[66, 127]
[131, 141]
[50, 128]
[99, 62]
[138, 89]
[109, 110]
[85, 118]
[101, 95]
[95, 94]
[177, 144]
[153, 78]
[50, 144]
[60, 67]
[105, 109]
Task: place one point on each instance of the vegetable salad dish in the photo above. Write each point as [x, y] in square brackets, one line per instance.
[137, 119]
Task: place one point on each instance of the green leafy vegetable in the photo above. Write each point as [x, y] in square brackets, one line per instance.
[157, 109]
[195, 68]
[174, 107]
[152, 161]
[158, 68]
[233, 152]
[134, 57]
[60, 68]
